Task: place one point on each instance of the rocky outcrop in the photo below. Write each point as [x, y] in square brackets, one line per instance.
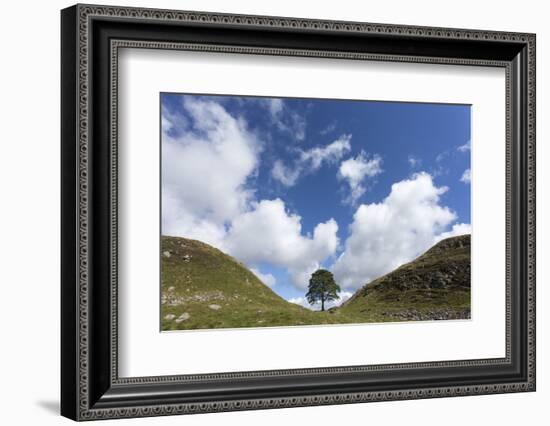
[453, 273]
[445, 265]
[435, 286]
[430, 315]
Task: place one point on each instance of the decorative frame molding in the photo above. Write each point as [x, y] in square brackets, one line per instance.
[91, 37]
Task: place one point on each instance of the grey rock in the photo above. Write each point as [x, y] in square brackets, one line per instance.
[183, 317]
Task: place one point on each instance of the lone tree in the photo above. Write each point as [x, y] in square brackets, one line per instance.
[322, 288]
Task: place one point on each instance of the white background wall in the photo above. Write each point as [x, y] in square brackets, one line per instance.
[29, 212]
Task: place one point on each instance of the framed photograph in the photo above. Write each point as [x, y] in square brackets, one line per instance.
[264, 212]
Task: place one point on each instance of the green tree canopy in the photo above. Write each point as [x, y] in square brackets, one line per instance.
[322, 288]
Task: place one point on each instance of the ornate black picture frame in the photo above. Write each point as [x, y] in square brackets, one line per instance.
[91, 36]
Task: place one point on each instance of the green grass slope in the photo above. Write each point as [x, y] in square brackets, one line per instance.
[204, 288]
[434, 286]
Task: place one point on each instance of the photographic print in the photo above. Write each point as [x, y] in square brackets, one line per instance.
[297, 211]
[260, 183]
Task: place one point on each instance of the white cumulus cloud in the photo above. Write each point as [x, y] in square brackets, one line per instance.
[456, 230]
[206, 195]
[465, 147]
[330, 153]
[285, 175]
[328, 129]
[355, 170]
[466, 176]
[309, 161]
[285, 119]
[268, 279]
[414, 161]
[204, 172]
[387, 234]
[268, 233]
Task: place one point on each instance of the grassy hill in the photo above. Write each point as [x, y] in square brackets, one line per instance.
[434, 286]
[203, 287]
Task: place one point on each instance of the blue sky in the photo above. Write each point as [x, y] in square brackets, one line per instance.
[287, 185]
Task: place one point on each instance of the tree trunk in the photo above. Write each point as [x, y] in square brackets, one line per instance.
[322, 303]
